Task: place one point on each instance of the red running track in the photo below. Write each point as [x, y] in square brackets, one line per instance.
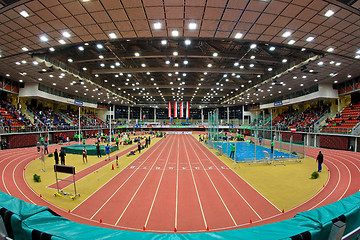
[179, 185]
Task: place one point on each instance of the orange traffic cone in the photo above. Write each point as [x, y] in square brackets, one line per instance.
[250, 221]
[100, 220]
[207, 228]
[144, 228]
[40, 195]
[112, 166]
[69, 211]
[283, 211]
[175, 230]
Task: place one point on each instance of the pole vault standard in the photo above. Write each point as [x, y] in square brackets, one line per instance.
[110, 127]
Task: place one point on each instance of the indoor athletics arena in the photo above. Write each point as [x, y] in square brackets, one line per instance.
[179, 119]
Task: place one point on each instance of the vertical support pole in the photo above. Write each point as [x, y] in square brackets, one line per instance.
[355, 146]
[235, 151]
[271, 117]
[291, 140]
[140, 115]
[227, 139]
[79, 126]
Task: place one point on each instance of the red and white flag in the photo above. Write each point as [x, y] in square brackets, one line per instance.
[169, 109]
[175, 109]
[293, 129]
[187, 109]
[181, 109]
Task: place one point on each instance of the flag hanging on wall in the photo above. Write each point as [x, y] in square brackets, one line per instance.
[169, 109]
[187, 110]
[181, 109]
[175, 109]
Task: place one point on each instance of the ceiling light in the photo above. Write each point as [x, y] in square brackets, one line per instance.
[176, 65]
[329, 13]
[70, 60]
[117, 64]
[175, 53]
[147, 73]
[187, 42]
[66, 34]
[163, 42]
[284, 60]
[52, 49]
[192, 26]
[112, 66]
[335, 81]
[236, 64]
[99, 46]
[25, 49]
[272, 49]
[43, 38]
[303, 49]
[338, 64]
[270, 69]
[167, 62]
[349, 76]
[291, 42]
[175, 33]
[143, 65]
[137, 54]
[101, 56]
[186, 62]
[209, 65]
[102, 64]
[286, 34]
[157, 25]
[252, 57]
[215, 54]
[330, 49]
[357, 56]
[309, 39]
[24, 13]
[251, 65]
[112, 35]
[320, 63]
[35, 63]
[238, 35]
[252, 46]
[62, 41]
[81, 48]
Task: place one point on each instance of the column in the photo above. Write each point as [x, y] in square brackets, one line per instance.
[140, 114]
[202, 116]
[243, 114]
[227, 115]
[128, 114]
[154, 115]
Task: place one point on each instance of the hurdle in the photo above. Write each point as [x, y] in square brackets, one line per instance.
[68, 170]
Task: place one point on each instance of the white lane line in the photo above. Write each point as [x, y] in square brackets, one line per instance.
[117, 188]
[196, 189]
[158, 186]
[197, 144]
[222, 200]
[122, 214]
[177, 185]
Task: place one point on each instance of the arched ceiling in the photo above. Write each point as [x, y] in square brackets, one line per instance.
[203, 51]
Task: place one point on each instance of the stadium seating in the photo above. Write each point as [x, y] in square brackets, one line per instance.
[344, 121]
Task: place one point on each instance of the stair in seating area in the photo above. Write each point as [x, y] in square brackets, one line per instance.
[8, 116]
[345, 121]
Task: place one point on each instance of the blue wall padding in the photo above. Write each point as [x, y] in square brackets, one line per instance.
[30, 221]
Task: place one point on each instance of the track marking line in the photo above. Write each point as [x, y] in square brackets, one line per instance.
[228, 168]
[160, 143]
[158, 186]
[122, 214]
[197, 144]
[196, 189]
[177, 186]
[219, 195]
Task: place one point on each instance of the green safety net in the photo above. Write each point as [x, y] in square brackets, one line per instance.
[28, 221]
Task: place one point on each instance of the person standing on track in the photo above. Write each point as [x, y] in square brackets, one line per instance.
[139, 147]
[272, 146]
[46, 148]
[85, 156]
[38, 146]
[62, 156]
[320, 160]
[107, 151]
[98, 150]
[83, 141]
[232, 152]
[56, 156]
[149, 140]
